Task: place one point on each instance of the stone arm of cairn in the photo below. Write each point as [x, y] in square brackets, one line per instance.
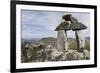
[62, 42]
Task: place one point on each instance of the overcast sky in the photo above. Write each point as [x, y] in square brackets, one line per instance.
[39, 24]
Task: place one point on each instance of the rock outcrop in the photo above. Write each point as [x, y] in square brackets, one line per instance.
[52, 54]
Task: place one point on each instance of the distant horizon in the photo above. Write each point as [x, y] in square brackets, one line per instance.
[47, 37]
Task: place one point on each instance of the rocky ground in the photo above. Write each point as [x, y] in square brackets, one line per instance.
[45, 50]
[55, 55]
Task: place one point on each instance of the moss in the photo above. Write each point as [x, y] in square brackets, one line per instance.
[87, 46]
[72, 45]
[35, 50]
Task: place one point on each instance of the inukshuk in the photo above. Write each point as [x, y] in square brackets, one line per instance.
[70, 23]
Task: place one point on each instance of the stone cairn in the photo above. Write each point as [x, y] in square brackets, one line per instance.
[62, 52]
[70, 23]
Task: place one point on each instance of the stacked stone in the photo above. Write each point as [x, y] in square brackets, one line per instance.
[70, 23]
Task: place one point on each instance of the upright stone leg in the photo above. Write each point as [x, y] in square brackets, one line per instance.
[62, 43]
[80, 40]
[77, 40]
[66, 41]
[60, 40]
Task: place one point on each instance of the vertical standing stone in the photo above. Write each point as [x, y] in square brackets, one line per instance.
[66, 41]
[62, 43]
[60, 40]
[80, 40]
[77, 39]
